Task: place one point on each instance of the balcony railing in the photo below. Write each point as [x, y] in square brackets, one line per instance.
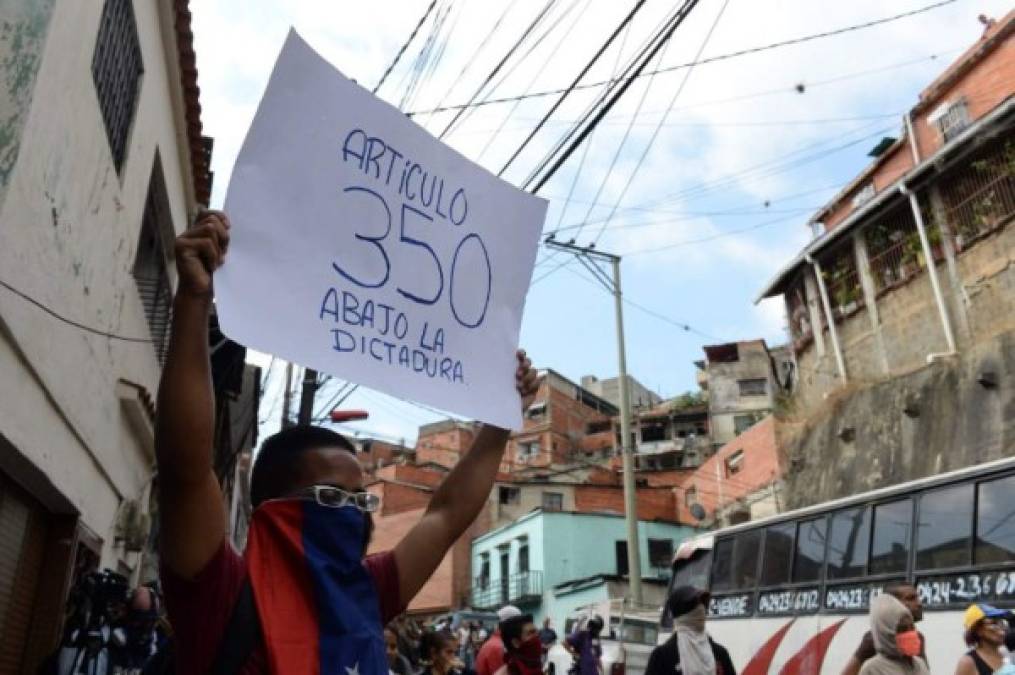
[980, 197]
[517, 589]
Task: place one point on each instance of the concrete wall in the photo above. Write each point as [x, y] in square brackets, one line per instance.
[724, 399]
[953, 422]
[70, 228]
[530, 499]
[980, 302]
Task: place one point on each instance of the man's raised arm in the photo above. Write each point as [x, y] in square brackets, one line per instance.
[458, 499]
[191, 509]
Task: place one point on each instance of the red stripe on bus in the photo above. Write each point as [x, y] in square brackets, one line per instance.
[762, 660]
[808, 660]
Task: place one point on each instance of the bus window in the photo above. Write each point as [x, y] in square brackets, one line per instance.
[893, 525]
[722, 566]
[995, 521]
[778, 554]
[848, 542]
[810, 550]
[692, 572]
[746, 556]
[945, 527]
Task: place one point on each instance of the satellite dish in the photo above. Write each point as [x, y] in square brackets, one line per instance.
[698, 511]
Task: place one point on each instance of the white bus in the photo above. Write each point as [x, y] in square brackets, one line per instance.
[790, 593]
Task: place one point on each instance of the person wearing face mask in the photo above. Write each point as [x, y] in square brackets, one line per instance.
[986, 629]
[689, 650]
[908, 596]
[523, 652]
[895, 639]
[304, 593]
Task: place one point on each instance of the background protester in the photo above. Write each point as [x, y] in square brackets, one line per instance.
[908, 596]
[585, 648]
[523, 652]
[547, 636]
[895, 639]
[986, 629]
[397, 663]
[491, 655]
[689, 650]
[439, 654]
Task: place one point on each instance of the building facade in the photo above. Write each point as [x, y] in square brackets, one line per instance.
[902, 309]
[102, 163]
[741, 379]
[609, 389]
[523, 563]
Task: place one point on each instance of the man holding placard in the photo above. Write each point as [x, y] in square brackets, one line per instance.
[302, 599]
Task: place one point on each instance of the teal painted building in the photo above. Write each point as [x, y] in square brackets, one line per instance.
[551, 562]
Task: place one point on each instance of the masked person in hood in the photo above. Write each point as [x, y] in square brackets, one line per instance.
[908, 596]
[895, 639]
[689, 650]
[303, 598]
[523, 652]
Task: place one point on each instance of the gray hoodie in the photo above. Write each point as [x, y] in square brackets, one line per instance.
[886, 613]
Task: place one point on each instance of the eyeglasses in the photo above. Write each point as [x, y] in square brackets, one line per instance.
[335, 497]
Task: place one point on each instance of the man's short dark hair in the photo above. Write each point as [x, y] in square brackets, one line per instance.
[277, 467]
[511, 630]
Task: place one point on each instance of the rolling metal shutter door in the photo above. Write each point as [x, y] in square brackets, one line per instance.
[22, 543]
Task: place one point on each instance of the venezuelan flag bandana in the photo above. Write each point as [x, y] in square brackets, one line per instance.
[316, 601]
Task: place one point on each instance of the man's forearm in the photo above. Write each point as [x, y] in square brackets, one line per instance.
[186, 406]
[461, 495]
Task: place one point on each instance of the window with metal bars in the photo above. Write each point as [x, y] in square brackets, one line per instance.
[116, 71]
[150, 263]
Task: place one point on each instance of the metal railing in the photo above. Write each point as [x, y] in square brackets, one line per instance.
[517, 588]
[843, 282]
[979, 197]
[893, 248]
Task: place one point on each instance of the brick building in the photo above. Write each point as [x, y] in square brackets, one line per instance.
[566, 422]
[902, 308]
[740, 482]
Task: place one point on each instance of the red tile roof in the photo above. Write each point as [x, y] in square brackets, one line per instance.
[199, 152]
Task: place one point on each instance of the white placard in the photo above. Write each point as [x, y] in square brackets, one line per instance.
[364, 248]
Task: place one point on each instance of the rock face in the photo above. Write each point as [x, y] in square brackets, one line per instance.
[948, 415]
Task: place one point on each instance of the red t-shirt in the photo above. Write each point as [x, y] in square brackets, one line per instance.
[491, 655]
[199, 609]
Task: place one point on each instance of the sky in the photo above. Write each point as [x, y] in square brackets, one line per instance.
[703, 179]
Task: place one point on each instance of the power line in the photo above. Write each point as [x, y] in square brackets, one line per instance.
[605, 108]
[71, 322]
[712, 59]
[405, 46]
[500, 64]
[655, 132]
[475, 55]
[578, 78]
[524, 57]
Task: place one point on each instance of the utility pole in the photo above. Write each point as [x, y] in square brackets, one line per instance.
[287, 396]
[590, 258]
[718, 482]
[307, 394]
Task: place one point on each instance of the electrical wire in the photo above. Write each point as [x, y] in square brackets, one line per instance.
[405, 46]
[473, 59]
[71, 322]
[493, 73]
[655, 132]
[712, 59]
[549, 57]
[548, 173]
[423, 58]
[621, 27]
